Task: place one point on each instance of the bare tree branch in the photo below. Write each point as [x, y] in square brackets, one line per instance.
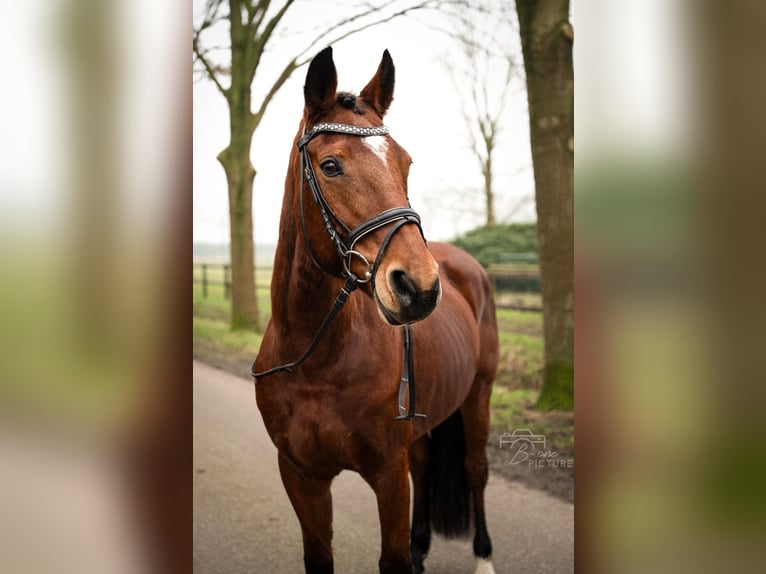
[212, 12]
[211, 17]
[519, 205]
[308, 52]
[485, 100]
[283, 77]
[200, 57]
[260, 12]
[263, 37]
[235, 31]
[305, 55]
[252, 10]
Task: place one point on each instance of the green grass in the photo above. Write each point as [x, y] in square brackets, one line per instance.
[213, 307]
[515, 408]
[521, 361]
[218, 308]
[508, 405]
[213, 339]
[514, 401]
[527, 322]
[215, 274]
[218, 333]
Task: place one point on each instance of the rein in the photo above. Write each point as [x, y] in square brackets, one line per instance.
[398, 216]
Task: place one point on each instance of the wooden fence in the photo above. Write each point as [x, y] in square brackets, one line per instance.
[206, 281]
[517, 289]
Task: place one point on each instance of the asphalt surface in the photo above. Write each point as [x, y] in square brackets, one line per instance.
[243, 521]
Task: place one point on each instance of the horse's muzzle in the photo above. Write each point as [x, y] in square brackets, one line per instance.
[414, 304]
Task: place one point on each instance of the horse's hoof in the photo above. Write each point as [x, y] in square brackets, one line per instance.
[417, 563]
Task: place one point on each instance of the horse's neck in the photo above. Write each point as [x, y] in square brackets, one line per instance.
[301, 294]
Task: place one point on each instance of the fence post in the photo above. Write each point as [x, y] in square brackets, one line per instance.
[204, 281]
[226, 282]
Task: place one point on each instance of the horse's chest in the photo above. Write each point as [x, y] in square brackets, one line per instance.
[314, 432]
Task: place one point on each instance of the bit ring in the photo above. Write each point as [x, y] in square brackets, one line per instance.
[347, 265]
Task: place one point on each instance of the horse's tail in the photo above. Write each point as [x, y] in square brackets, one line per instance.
[450, 499]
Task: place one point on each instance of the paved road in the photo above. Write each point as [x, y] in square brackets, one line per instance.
[243, 521]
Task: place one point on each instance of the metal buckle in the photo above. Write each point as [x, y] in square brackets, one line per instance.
[347, 266]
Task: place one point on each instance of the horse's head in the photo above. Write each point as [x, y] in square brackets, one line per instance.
[355, 215]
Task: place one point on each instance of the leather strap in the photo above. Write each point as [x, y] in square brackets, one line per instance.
[381, 220]
[408, 379]
[340, 301]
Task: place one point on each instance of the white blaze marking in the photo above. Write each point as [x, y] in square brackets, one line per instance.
[484, 566]
[379, 146]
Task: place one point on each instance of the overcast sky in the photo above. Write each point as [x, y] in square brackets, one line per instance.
[425, 118]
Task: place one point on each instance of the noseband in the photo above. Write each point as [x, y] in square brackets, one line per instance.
[396, 217]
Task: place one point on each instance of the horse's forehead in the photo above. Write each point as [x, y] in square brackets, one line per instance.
[379, 146]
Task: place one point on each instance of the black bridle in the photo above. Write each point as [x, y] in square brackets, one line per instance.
[399, 216]
[344, 244]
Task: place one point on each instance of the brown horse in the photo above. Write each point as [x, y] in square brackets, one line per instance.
[346, 223]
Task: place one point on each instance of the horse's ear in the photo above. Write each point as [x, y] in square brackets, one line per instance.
[379, 93]
[321, 83]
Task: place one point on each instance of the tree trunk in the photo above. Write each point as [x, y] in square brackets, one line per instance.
[546, 39]
[489, 196]
[240, 174]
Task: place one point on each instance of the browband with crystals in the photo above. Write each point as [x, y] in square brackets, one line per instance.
[342, 129]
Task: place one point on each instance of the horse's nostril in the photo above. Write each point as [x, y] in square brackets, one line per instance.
[411, 302]
[403, 286]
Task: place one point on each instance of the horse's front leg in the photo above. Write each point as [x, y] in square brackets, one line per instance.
[420, 535]
[392, 490]
[312, 502]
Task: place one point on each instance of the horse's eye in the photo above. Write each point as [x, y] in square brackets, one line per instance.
[331, 168]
